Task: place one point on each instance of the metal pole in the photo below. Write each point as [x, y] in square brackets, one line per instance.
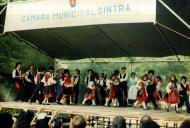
[175, 14]
[167, 41]
[166, 27]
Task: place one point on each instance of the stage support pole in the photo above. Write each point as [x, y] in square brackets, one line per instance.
[175, 14]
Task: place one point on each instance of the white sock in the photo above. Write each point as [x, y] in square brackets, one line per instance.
[83, 102]
[93, 102]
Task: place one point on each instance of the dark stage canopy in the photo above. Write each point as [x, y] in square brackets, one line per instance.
[167, 36]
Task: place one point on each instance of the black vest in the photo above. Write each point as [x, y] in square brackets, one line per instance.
[78, 82]
[17, 79]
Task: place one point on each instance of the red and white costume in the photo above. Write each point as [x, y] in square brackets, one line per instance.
[172, 94]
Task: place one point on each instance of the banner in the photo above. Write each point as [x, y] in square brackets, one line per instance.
[65, 13]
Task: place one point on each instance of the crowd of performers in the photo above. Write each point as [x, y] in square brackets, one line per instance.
[117, 90]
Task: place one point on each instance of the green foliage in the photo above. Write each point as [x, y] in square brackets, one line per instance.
[13, 50]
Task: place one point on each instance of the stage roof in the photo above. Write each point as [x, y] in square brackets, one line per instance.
[166, 37]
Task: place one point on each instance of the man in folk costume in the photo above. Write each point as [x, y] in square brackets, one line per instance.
[90, 87]
[18, 82]
[76, 82]
[111, 91]
[141, 93]
[101, 85]
[172, 96]
[123, 89]
[59, 88]
[151, 75]
[38, 93]
[151, 88]
[29, 82]
[184, 91]
[48, 82]
[67, 88]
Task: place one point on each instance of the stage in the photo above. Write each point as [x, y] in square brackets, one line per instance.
[162, 117]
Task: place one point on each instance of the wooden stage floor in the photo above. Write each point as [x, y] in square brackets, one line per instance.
[101, 111]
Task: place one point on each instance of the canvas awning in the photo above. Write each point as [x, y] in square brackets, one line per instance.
[167, 36]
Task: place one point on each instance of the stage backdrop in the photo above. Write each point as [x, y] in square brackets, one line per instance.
[63, 13]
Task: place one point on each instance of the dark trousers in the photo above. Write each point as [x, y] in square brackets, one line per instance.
[101, 93]
[152, 100]
[38, 93]
[19, 95]
[184, 99]
[29, 90]
[75, 94]
[122, 94]
[19, 92]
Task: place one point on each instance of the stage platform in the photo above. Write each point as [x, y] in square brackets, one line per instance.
[161, 116]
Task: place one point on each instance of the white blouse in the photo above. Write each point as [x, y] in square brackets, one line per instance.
[50, 81]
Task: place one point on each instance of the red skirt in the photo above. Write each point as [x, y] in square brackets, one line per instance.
[113, 92]
[90, 95]
[157, 95]
[143, 96]
[172, 97]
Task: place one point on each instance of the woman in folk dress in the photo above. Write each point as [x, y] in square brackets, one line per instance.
[68, 87]
[111, 91]
[90, 93]
[172, 96]
[132, 93]
[141, 93]
[48, 85]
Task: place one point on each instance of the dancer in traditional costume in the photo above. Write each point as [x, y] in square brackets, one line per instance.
[90, 93]
[123, 89]
[48, 87]
[67, 88]
[158, 93]
[101, 85]
[76, 82]
[132, 93]
[111, 91]
[151, 89]
[59, 88]
[184, 92]
[38, 93]
[141, 92]
[18, 81]
[29, 82]
[90, 89]
[172, 96]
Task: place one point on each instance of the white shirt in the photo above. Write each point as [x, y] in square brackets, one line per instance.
[50, 81]
[14, 72]
[133, 81]
[101, 82]
[26, 76]
[158, 86]
[122, 78]
[170, 85]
